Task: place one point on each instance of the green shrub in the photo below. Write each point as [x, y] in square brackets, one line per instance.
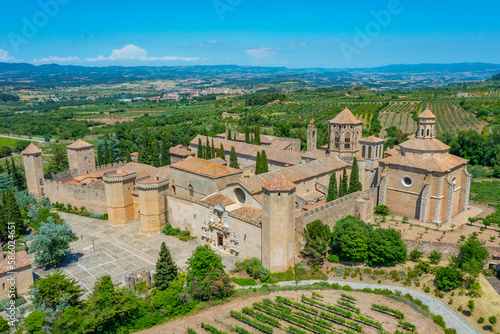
[333, 258]
[439, 321]
[169, 230]
[382, 210]
[416, 255]
[480, 320]
[244, 281]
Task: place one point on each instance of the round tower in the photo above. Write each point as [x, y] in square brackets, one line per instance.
[119, 198]
[426, 126]
[32, 160]
[278, 223]
[152, 193]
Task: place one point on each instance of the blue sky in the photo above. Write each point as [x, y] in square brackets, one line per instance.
[295, 34]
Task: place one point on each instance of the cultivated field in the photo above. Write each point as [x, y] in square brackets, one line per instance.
[323, 311]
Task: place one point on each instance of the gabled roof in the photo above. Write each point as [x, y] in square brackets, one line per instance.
[372, 140]
[31, 149]
[205, 167]
[345, 117]
[427, 113]
[79, 144]
[181, 151]
[432, 164]
[218, 198]
[21, 261]
[279, 182]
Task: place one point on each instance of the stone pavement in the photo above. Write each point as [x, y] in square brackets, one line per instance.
[104, 249]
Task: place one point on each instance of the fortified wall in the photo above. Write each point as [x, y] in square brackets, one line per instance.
[92, 198]
[360, 204]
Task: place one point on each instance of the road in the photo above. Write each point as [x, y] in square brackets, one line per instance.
[39, 140]
[436, 306]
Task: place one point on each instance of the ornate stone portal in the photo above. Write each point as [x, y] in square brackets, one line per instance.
[216, 231]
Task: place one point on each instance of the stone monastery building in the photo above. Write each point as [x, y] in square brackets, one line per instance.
[263, 215]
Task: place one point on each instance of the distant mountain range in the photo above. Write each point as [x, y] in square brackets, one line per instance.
[61, 75]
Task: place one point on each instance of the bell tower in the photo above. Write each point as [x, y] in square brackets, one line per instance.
[312, 136]
[426, 127]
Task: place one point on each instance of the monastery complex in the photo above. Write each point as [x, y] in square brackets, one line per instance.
[263, 215]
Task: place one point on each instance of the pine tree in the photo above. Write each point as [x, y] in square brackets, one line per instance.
[165, 153]
[233, 158]
[247, 135]
[332, 188]
[263, 162]
[12, 212]
[166, 270]
[354, 184]
[258, 164]
[257, 135]
[344, 184]
[199, 154]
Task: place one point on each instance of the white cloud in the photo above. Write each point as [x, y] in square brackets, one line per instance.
[57, 60]
[133, 52]
[4, 56]
[261, 53]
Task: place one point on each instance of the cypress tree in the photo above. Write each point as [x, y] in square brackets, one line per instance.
[263, 162]
[200, 149]
[257, 135]
[99, 157]
[258, 164]
[12, 212]
[155, 155]
[332, 188]
[107, 154]
[166, 270]
[165, 153]
[354, 184]
[17, 176]
[344, 184]
[247, 135]
[208, 150]
[229, 137]
[222, 153]
[213, 150]
[233, 158]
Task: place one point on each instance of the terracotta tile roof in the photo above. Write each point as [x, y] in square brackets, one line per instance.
[181, 151]
[296, 173]
[280, 145]
[273, 155]
[314, 155]
[279, 182]
[392, 151]
[427, 113]
[21, 261]
[372, 140]
[249, 212]
[79, 144]
[219, 161]
[425, 144]
[31, 149]
[205, 167]
[218, 198]
[432, 164]
[134, 153]
[142, 170]
[345, 117]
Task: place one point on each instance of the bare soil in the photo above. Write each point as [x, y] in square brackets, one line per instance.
[219, 317]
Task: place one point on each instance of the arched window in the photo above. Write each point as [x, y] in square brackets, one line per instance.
[428, 132]
[173, 189]
[369, 152]
[422, 132]
[337, 141]
[363, 153]
[191, 191]
[347, 141]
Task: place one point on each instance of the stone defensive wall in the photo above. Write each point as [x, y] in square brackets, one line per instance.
[333, 211]
[448, 249]
[94, 199]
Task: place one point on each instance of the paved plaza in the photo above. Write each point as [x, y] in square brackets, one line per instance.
[104, 249]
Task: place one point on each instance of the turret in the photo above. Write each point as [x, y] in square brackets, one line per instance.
[32, 160]
[426, 126]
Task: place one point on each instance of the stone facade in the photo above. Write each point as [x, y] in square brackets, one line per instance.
[81, 157]
[32, 159]
[312, 136]
[344, 133]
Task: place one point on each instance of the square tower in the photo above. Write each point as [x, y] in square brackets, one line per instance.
[278, 223]
[312, 136]
[81, 157]
[32, 160]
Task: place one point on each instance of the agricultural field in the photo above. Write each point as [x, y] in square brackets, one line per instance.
[450, 117]
[304, 312]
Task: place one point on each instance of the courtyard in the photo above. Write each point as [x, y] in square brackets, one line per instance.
[103, 249]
